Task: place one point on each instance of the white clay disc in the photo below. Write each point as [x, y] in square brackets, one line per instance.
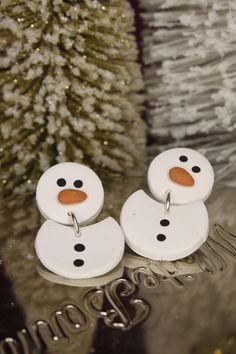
[79, 189]
[97, 251]
[186, 173]
[115, 273]
[153, 233]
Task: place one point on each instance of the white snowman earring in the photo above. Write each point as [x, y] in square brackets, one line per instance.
[175, 224]
[70, 195]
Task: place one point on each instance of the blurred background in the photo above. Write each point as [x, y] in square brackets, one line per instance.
[111, 84]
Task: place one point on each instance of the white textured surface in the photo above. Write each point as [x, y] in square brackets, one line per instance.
[159, 181]
[48, 190]
[186, 232]
[104, 248]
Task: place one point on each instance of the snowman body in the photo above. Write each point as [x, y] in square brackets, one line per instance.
[156, 231]
[156, 234]
[70, 189]
[96, 251]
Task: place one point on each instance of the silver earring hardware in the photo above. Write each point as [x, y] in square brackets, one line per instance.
[168, 201]
[75, 224]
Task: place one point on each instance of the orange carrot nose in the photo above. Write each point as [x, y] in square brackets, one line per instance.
[71, 196]
[181, 176]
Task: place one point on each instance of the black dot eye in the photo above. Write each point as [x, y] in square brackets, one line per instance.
[183, 158]
[196, 169]
[61, 182]
[78, 183]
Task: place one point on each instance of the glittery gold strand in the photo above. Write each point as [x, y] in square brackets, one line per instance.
[67, 100]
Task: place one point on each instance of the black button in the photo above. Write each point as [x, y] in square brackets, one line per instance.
[79, 247]
[164, 222]
[78, 262]
[161, 237]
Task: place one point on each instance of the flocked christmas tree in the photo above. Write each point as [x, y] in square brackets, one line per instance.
[189, 51]
[69, 89]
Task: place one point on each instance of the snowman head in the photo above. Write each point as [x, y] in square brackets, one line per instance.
[186, 173]
[69, 187]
